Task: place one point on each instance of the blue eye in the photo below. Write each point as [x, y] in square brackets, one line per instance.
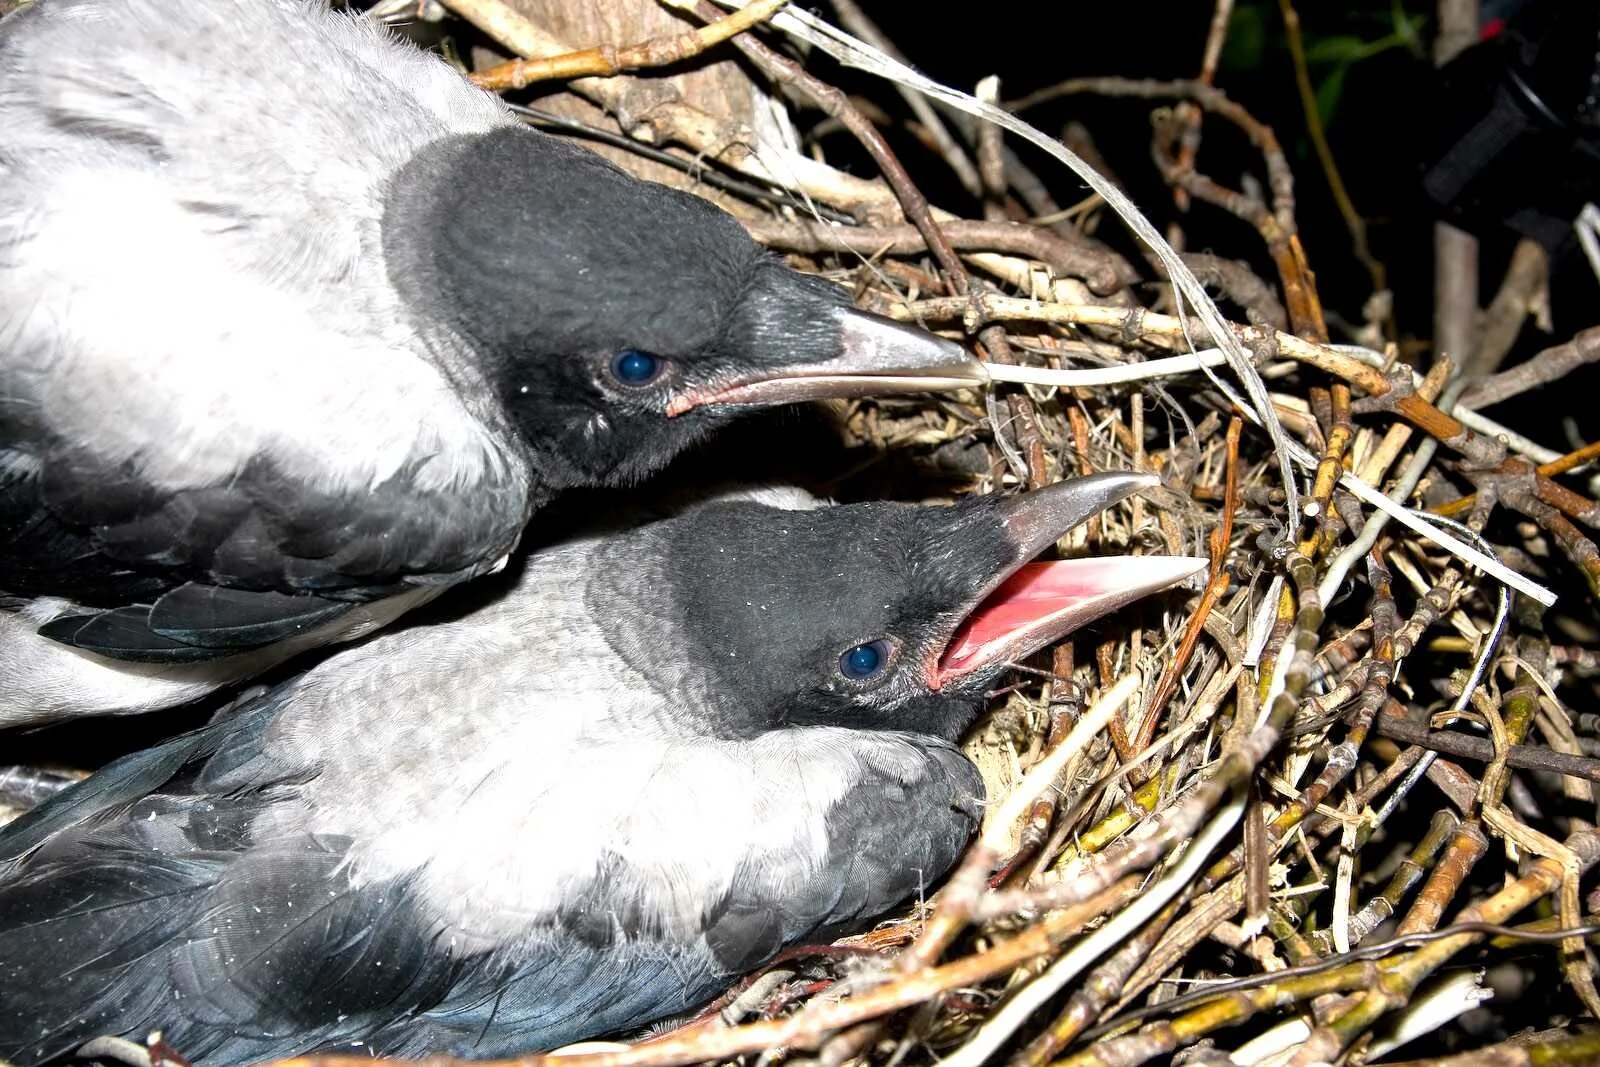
[635, 368]
[865, 661]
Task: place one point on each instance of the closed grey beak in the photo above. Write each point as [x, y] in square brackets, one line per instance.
[876, 357]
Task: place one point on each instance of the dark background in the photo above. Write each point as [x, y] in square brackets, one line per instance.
[1375, 80]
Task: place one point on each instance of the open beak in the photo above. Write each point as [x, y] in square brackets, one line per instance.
[1030, 605]
[876, 357]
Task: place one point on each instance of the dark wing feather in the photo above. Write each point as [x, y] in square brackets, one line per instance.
[889, 837]
[43, 555]
[564, 990]
[141, 900]
[213, 616]
[220, 570]
[283, 955]
[124, 634]
[73, 949]
[269, 530]
[111, 791]
[87, 890]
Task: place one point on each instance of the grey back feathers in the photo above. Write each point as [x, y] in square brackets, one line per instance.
[191, 260]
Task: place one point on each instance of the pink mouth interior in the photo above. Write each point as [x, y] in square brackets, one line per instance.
[1030, 596]
[1043, 602]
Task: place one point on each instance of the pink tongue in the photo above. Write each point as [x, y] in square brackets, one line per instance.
[1035, 592]
[1044, 601]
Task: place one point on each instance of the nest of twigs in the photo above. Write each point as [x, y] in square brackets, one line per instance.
[1339, 802]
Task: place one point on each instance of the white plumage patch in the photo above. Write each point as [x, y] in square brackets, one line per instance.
[191, 273]
[782, 497]
[502, 797]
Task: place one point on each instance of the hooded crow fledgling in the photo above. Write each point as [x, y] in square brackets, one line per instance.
[297, 328]
[656, 759]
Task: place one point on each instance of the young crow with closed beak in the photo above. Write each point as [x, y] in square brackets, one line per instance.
[289, 345]
[659, 757]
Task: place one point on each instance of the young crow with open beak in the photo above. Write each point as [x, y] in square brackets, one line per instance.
[288, 345]
[659, 757]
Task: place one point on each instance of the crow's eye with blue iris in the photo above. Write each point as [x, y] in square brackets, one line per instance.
[865, 662]
[636, 368]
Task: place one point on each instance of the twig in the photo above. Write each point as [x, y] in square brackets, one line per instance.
[1236, 281]
[966, 885]
[1541, 1050]
[1276, 226]
[1323, 976]
[1548, 366]
[1559, 465]
[1151, 899]
[1216, 585]
[1469, 418]
[748, 190]
[1392, 722]
[1397, 436]
[1138, 322]
[24, 787]
[1455, 252]
[1412, 868]
[1520, 292]
[991, 154]
[608, 60]
[852, 52]
[1319, 140]
[838, 105]
[1102, 986]
[1190, 115]
[1543, 877]
[676, 122]
[1101, 269]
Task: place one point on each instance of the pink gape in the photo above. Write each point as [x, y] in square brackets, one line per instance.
[1044, 601]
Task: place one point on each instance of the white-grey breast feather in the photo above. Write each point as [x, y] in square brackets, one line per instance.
[493, 805]
[183, 250]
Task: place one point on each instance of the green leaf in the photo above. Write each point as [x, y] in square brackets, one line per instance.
[1246, 43]
[1337, 48]
[1329, 93]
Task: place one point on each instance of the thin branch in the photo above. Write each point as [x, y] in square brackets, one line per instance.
[608, 60]
[1101, 269]
[1548, 366]
[1393, 723]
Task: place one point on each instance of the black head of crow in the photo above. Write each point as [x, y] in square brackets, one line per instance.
[620, 319]
[284, 340]
[658, 758]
